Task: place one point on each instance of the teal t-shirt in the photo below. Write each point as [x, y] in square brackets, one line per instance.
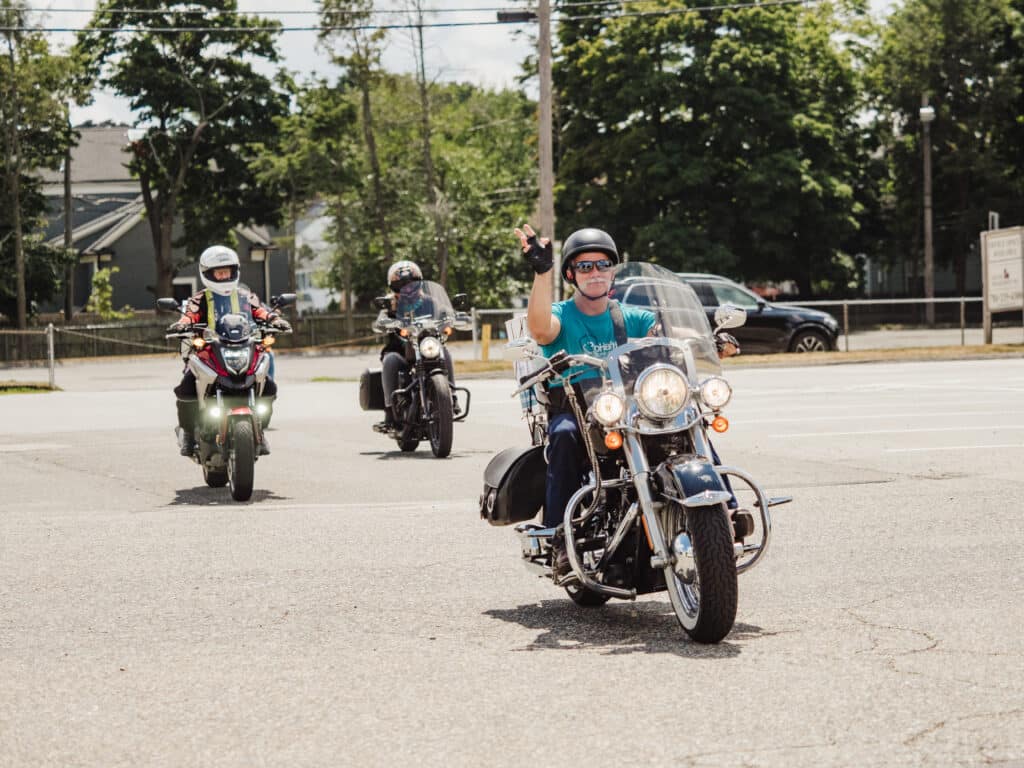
[594, 334]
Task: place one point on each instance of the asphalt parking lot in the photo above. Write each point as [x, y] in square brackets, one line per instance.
[358, 612]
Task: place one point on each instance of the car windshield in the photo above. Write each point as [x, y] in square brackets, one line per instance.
[731, 294]
[423, 300]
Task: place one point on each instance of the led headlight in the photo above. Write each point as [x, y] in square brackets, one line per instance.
[608, 408]
[661, 392]
[430, 347]
[213, 412]
[715, 392]
[236, 358]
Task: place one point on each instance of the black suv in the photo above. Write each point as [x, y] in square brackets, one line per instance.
[769, 327]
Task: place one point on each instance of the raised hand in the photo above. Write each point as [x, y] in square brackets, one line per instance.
[538, 252]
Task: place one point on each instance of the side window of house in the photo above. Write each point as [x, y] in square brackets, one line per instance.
[728, 294]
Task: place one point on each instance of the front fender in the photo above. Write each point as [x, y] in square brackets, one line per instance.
[696, 483]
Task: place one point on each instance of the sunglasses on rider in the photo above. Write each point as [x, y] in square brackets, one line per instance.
[586, 266]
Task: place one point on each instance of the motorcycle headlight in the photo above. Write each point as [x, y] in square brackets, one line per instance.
[661, 392]
[715, 392]
[236, 358]
[430, 347]
[608, 408]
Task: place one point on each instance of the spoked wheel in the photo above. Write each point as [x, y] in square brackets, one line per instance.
[241, 460]
[706, 604]
[215, 478]
[439, 415]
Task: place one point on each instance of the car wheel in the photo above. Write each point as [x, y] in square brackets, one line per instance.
[809, 341]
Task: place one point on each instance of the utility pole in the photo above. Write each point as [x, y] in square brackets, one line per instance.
[70, 259]
[927, 115]
[546, 170]
[544, 139]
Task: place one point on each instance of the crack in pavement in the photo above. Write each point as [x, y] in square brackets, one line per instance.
[936, 727]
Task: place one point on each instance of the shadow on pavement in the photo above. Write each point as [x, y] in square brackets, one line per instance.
[616, 628]
[204, 496]
[423, 452]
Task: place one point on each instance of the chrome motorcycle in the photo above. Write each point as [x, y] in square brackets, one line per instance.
[656, 514]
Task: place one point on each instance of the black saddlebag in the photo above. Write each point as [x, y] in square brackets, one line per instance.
[514, 484]
[371, 393]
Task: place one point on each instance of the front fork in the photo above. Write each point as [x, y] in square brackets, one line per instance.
[662, 557]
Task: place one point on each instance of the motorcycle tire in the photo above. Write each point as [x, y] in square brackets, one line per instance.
[242, 460]
[440, 416]
[706, 610]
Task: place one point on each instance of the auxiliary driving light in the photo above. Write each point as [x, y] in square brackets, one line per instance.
[214, 412]
[608, 408]
[715, 392]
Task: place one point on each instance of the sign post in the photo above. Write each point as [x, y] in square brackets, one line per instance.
[1002, 271]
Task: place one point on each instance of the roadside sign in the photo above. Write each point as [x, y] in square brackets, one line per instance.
[1002, 260]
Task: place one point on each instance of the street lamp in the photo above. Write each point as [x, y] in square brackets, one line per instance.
[927, 115]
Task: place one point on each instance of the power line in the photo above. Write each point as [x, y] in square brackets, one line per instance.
[431, 25]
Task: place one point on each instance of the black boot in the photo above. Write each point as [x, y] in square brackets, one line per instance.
[187, 426]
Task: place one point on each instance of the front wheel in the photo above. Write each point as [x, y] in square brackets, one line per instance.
[809, 341]
[706, 605]
[439, 415]
[241, 460]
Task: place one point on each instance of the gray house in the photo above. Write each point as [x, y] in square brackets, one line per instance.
[108, 228]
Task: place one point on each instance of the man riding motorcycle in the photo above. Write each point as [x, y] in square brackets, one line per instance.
[219, 270]
[405, 281]
[588, 323]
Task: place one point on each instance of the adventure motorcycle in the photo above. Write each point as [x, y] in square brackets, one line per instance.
[231, 363]
[655, 512]
[424, 405]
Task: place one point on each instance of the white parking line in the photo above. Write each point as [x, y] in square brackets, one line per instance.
[954, 448]
[992, 428]
[22, 447]
[946, 414]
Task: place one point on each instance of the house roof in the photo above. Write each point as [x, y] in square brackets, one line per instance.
[98, 164]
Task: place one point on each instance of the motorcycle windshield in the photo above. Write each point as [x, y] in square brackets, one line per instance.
[234, 328]
[423, 301]
[680, 319]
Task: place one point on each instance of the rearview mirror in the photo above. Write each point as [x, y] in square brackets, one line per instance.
[382, 302]
[729, 316]
[168, 305]
[460, 301]
[284, 300]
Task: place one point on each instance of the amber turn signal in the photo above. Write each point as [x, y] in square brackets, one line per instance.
[613, 441]
[198, 342]
[720, 424]
[448, 330]
[404, 332]
[268, 341]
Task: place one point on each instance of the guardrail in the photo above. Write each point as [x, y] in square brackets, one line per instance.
[958, 318]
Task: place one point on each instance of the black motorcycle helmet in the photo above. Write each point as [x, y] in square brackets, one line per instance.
[586, 241]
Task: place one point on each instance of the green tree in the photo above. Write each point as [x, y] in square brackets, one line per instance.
[33, 135]
[316, 158]
[718, 139]
[965, 60]
[101, 298]
[485, 168]
[344, 23]
[188, 69]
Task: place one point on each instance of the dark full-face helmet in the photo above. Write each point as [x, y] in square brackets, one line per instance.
[403, 273]
[589, 240]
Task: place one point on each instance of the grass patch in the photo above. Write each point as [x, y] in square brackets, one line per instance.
[330, 378]
[24, 387]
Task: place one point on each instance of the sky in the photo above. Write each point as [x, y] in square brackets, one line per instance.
[488, 56]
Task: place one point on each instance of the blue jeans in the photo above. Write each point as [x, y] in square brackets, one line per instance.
[568, 466]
